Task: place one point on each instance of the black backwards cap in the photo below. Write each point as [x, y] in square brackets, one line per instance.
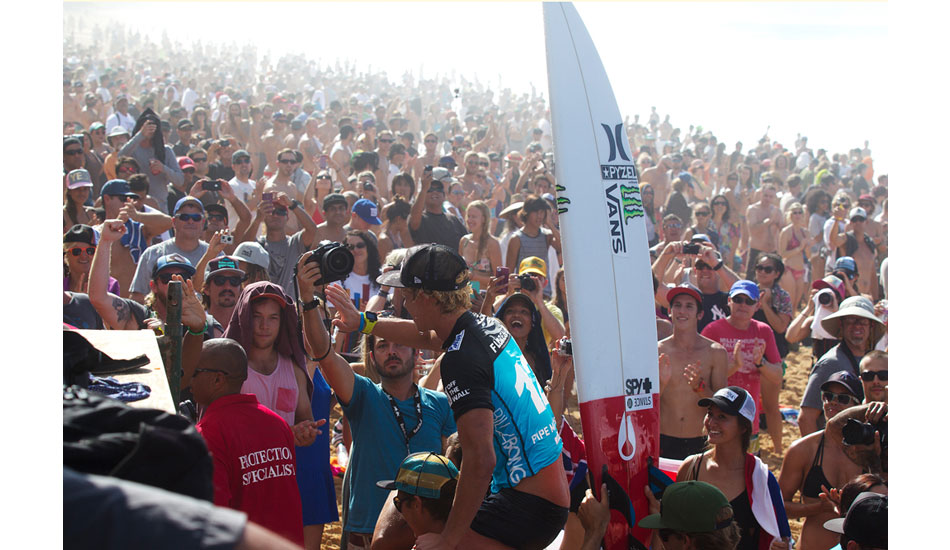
[429, 267]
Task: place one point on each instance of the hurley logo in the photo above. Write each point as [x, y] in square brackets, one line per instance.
[623, 199]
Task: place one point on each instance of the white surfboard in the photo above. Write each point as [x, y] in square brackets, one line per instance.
[607, 267]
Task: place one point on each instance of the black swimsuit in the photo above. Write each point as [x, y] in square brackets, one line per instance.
[749, 528]
[816, 475]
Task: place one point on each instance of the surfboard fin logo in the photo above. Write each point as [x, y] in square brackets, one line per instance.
[561, 201]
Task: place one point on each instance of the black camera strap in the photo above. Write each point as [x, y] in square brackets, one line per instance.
[399, 416]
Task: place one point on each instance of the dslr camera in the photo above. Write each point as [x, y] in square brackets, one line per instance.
[527, 282]
[335, 261]
[856, 432]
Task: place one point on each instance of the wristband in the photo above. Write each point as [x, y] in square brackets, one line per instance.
[757, 365]
[368, 320]
[294, 204]
[718, 266]
[203, 330]
[313, 304]
[383, 293]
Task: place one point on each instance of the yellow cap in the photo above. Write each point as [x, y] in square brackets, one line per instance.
[533, 264]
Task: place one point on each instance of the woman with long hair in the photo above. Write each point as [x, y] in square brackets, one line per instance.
[199, 118]
[74, 209]
[319, 187]
[402, 185]
[728, 427]
[560, 299]
[366, 264]
[792, 242]
[481, 251]
[702, 215]
[730, 233]
[647, 194]
[775, 310]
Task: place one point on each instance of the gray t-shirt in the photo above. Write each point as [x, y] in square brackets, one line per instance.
[836, 359]
[143, 272]
[157, 184]
[283, 258]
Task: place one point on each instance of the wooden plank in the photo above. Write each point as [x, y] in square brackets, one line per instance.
[126, 344]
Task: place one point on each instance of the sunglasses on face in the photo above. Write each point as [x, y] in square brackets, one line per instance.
[203, 159]
[458, 192]
[211, 370]
[189, 171]
[765, 268]
[484, 164]
[702, 214]
[798, 212]
[216, 218]
[166, 277]
[90, 250]
[122, 198]
[73, 152]
[233, 280]
[127, 169]
[858, 219]
[287, 161]
[243, 160]
[719, 203]
[869, 375]
[431, 141]
[190, 217]
[701, 266]
[386, 140]
[673, 226]
[841, 398]
[360, 245]
[742, 299]
[397, 502]
[280, 211]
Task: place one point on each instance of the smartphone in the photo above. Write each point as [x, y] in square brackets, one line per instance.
[691, 248]
[211, 185]
[267, 197]
[323, 162]
[502, 271]
[428, 168]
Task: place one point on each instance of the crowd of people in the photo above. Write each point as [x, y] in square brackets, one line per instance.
[393, 249]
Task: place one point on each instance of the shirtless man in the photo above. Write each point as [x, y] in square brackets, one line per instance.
[691, 367]
[854, 243]
[336, 214]
[310, 145]
[343, 150]
[272, 141]
[659, 178]
[815, 463]
[764, 221]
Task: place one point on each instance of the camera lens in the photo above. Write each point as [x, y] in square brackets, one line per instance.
[824, 299]
[339, 260]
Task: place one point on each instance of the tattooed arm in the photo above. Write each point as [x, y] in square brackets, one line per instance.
[116, 312]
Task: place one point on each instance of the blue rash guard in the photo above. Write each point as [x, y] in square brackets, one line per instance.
[483, 368]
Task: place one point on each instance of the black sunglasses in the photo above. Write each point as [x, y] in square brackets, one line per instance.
[190, 217]
[701, 265]
[431, 141]
[204, 159]
[398, 502]
[484, 164]
[280, 211]
[702, 214]
[165, 278]
[868, 375]
[359, 245]
[73, 152]
[858, 219]
[287, 161]
[386, 140]
[242, 160]
[742, 299]
[233, 280]
[224, 372]
[841, 398]
[720, 203]
[764, 268]
[217, 217]
[90, 250]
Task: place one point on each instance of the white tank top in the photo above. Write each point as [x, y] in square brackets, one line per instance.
[277, 391]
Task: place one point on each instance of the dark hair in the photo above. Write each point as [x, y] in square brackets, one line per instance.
[779, 264]
[560, 300]
[671, 217]
[409, 181]
[346, 131]
[127, 160]
[814, 198]
[373, 264]
[398, 208]
[725, 215]
[138, 182]
[396, 149]
[855, 487]
[745, 425]
[532, 203]
[440, 507]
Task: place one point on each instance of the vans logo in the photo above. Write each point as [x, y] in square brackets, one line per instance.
[623, 199]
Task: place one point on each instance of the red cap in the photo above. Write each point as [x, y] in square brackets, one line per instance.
[685, 288]
[185, 162]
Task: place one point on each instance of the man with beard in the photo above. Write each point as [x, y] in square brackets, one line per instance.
[222, 285]
[874, 376]
[388, 420]
[148, 148]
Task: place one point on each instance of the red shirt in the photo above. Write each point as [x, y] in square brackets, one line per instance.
[747, 377]
[254, 463]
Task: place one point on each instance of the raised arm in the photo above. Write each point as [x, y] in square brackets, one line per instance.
[418, 204]
[114, 311]
[401, 331]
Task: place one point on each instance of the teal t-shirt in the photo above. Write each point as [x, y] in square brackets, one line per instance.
[379, 446]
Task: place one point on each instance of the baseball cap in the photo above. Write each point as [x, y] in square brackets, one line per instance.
[732, 400]
[81, 233]
[447, 161]
[442, 175]
[185, 162]
[252, 253]
[429, 267]
[847, 263]
[858, 212]
[423, 474]
[533, 264]
[185, 124]
[846, 379]
[745, 286]
[832, 282]
[173, 260]
[333, 198]
[866, 521]
[95, 126]
[78, 178]
[119, 130]
[866, 197]
[239, 154]
[117, 187]
[700, 237]
[685, 288]
[224, 264]
[514, 156]
[367, 211]
[689, 507]
[187, 199]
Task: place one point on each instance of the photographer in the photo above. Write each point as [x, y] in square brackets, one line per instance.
[427, 221]
[529, 281]
[823, 301]
[283, 249]
[534, 238]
